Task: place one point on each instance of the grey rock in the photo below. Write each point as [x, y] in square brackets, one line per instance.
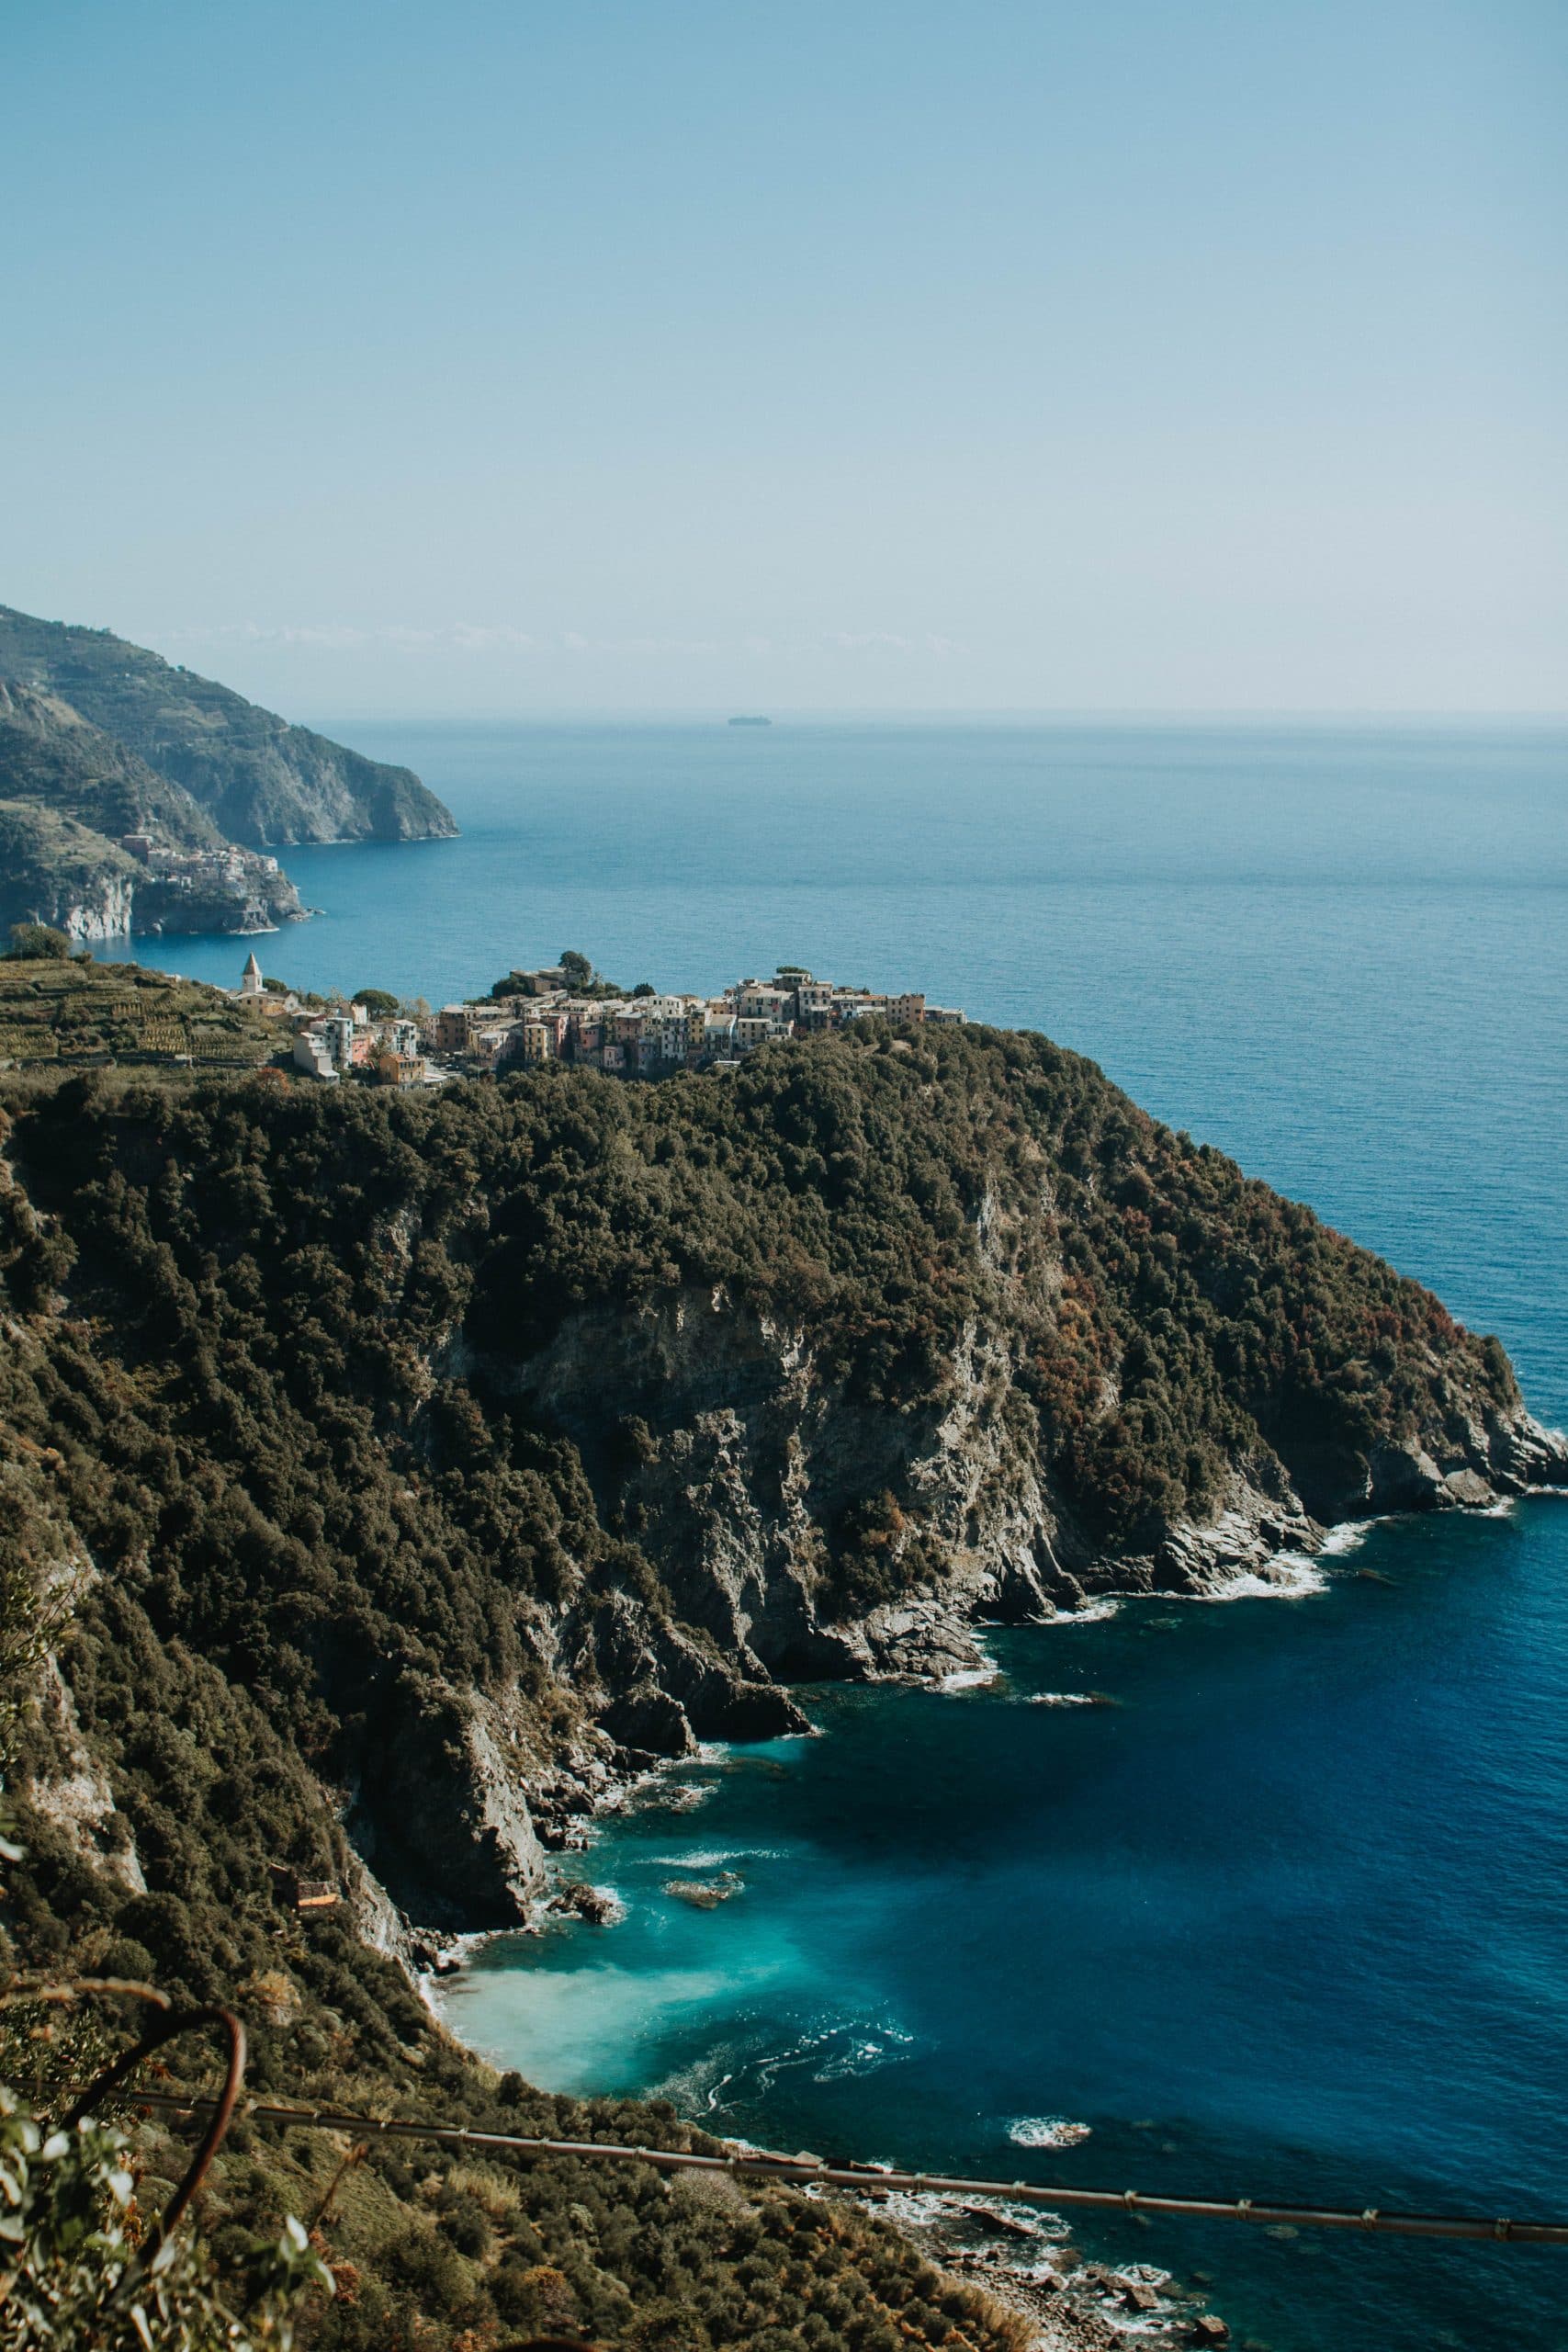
[440, 1815]
[1406, 1477]
[649, 1719]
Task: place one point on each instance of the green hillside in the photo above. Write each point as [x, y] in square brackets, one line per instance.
[257, 778]
[408, 1470]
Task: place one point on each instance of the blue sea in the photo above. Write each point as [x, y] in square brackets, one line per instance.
[1289, 1918]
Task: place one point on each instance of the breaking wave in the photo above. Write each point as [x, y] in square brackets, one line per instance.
[717, 1858]
[1046, 2132]
[1347, 1538]
[749, 2067]
[971, 1677]
[1093, 1613]
[1288, 1576]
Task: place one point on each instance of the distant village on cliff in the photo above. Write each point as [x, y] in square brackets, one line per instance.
[564, 1013]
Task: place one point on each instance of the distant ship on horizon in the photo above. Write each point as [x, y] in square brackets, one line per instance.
[751, 722]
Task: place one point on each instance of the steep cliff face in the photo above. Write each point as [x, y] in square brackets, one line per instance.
[69, 793]
[493, 1445]
[55, 871]
[747, 1467]
[257, 778]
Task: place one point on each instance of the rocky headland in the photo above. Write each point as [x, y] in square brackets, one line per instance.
[70, 796]
[259, 780]
[570, 1424]
[394, 1481]
[139, 797]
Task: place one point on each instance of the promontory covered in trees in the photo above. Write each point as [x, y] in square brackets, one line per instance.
[398, 1472]
[137, 795]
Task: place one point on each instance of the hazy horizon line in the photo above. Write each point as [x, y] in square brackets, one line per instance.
[716, 714]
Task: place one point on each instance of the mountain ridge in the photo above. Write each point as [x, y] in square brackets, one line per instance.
[263, 781]
[73, 796]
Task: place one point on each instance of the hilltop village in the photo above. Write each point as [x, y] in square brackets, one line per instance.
[567, 1012]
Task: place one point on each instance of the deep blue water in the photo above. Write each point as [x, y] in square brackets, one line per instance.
[1292, 1918]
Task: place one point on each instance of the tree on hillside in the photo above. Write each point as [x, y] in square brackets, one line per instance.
[32, 941]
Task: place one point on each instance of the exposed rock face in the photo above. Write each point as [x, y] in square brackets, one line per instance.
[440, 1815]
[74, 1795]
[55, 871]
[1471, 1460]
[69, 793]
[745, 1458]
[109, 916]
[259, 902]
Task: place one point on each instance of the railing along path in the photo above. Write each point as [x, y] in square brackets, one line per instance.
[804, 2170]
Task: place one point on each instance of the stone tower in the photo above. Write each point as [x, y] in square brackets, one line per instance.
[251, 979]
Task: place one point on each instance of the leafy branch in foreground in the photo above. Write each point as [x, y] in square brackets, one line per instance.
[72, 2265]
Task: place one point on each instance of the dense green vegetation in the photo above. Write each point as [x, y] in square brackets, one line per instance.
[1169, 1315]
[75, 2270]
[267, 1438]
[34, 943]
[257, 778]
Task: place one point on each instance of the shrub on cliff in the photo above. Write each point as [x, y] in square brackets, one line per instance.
[37, 942]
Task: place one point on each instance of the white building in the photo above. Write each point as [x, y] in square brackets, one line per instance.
[312, 1055]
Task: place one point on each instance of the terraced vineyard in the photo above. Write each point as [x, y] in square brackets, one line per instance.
[61, 1013]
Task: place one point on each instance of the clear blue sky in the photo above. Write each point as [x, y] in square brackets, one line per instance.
[501, 357]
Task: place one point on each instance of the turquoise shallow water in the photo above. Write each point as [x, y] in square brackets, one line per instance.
[1292, 1916]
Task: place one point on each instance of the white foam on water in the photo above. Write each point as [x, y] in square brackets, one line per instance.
[1093, 1613]
[1058, 1699]
[1287, 1577]
[925, 2208]
[1347, 1538]
[749, 2065]
[713, 1857]
[1046, 2132]
[971, 1677]
[864, 2055]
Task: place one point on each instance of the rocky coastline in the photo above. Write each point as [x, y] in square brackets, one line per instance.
[532, 1831]
[1026, 2260]
[535, 1830]
[1023, 2258]
[457, 1465]
[728, 1501]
